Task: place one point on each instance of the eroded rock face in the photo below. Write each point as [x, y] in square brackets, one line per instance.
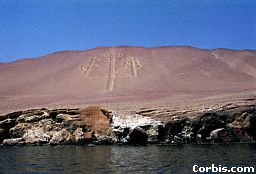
[138, 136]
[63, 126]
[135, 129]
[221, 135]
[97, 119]
[13, 141]
[94, 125]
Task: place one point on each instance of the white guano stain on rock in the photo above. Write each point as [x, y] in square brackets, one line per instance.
[143, 124]
[133, 121]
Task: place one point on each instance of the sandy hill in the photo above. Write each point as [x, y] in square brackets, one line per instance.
[125, 74]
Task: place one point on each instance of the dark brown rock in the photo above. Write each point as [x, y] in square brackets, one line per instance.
[94, 117]
[138, 136]
[7, 123]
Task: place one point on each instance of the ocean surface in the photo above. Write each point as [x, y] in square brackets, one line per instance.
[123, 159]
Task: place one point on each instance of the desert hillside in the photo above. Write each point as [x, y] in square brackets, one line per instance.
[125, 74]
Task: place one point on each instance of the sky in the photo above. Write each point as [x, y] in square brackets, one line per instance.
[32, 28]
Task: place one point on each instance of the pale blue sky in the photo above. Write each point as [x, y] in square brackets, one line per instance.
[31, 28]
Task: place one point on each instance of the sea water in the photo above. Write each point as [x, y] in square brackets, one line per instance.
[123, 159]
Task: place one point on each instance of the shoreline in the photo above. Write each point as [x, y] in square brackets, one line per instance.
[230, 123]
[129, 145]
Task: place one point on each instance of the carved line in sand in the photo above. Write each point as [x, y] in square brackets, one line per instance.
[130, 63]
[250, 70]
[215, 55]
[111, 72]
[204, 72]
[88, 68]
[134, 64]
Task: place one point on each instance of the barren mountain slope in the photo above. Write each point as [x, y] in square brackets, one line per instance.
[125, 74]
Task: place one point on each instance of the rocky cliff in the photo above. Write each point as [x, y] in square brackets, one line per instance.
[233, 122]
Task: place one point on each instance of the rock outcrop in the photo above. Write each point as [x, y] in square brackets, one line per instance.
[94, 125]
[59, 126]
[134, 128]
